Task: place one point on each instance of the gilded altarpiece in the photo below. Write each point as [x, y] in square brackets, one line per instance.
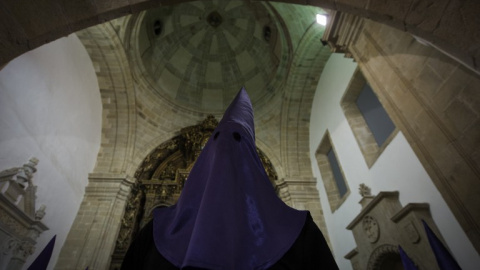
[161, 178]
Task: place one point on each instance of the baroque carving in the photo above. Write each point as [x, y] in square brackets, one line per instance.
[11, 223]
[40, 213]
[129, 220]
[364, 190]
[379, 254]
[371, 228]
[20, 223]
[400, 226]
[25, 173]
[23, 249]
[9, 246]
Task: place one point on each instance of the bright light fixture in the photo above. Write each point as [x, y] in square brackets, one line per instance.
[321, 19]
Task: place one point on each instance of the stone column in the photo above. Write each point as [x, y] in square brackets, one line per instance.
[21, 251]
[303, 195]
[91, 240]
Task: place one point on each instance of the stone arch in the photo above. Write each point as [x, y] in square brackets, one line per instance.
[264, 147]
[385, 257]
[118, 100]
[449, 25]
[308, 62]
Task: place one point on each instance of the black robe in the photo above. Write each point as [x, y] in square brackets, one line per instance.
[310, 251]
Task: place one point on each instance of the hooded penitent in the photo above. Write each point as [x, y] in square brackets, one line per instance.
[41, 262]
[228, 215]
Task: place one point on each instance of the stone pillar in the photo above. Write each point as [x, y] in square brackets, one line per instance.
[303, 195]
[91, 240]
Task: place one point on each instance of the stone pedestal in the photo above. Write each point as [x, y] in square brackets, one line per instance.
[91, 240]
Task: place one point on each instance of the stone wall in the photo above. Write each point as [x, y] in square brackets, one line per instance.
[92, 238]
[433, 100]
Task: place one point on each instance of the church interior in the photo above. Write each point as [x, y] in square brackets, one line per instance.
[366, 114]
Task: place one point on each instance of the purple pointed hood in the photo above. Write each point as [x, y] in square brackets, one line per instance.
[408, 264]
[41, 262]
[445, 260]
[240, 112]
[228, 215]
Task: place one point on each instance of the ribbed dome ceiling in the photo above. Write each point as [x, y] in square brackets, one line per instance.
[197, 55]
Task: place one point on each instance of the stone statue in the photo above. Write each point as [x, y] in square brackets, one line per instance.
[364, 190]
[40, 213]
[25, 173]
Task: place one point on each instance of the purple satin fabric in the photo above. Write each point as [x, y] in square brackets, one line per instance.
[445, 260]
[41, 262]
[228, 215]
[408, 264]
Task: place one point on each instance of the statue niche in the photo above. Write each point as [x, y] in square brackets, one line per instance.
[160, 180]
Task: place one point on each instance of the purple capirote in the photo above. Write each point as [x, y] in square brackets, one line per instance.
[42, 260]
[228, 215]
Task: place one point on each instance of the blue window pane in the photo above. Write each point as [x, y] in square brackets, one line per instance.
[337, 174]
[375, 115]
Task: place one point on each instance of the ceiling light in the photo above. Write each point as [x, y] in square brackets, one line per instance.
[322, 19]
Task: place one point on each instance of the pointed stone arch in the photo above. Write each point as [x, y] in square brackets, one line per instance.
[385, 257]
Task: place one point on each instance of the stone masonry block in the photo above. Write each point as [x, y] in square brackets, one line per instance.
[417, 15]
[461, 115]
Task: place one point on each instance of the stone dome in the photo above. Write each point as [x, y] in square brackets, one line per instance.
[197, 55]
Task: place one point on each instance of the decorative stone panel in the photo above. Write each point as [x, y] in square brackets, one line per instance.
[341, 31]
[20, 224]
[382, 225]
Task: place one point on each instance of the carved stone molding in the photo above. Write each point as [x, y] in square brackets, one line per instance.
[23, 249]
[381, 254]
[371, 228]
[9, 245]
[382, 225]
[20, 224]
[341, 31]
